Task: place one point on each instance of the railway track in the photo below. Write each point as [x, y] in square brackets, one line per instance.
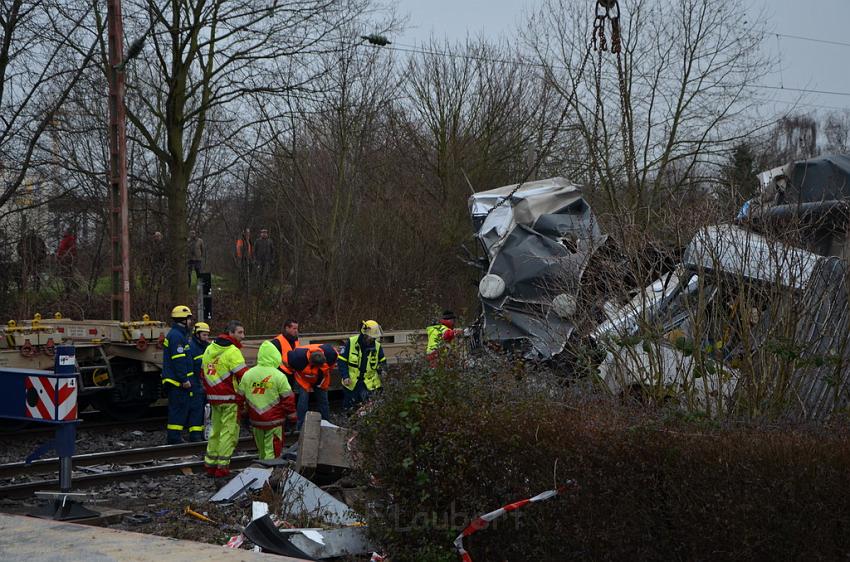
[36, 429]
[110, 466]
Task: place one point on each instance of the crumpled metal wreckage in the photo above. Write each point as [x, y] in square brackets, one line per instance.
[537, 238]
[670, 306]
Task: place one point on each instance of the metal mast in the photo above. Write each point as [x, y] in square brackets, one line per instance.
[118, 201]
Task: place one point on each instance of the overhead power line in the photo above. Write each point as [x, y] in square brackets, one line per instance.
[480, 58]
[813, 39]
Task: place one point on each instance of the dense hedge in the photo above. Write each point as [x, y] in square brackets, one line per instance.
[440, 447]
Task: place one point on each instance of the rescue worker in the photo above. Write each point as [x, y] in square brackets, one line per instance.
[285, 342]
[269, 399]
[360, 361]
[312, 365]
[197, 395]
[177, 371]
[223, 366]
[440, 334]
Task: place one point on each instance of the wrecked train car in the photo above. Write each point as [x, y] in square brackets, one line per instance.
[537, 238]
[820, 380]
[688, 335]
[812, 194]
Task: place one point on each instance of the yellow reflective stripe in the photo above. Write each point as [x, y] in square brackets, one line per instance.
[199, 356]
[174, 426]
[178, 355]
[196, 428]
[171, 381]
[165, 342]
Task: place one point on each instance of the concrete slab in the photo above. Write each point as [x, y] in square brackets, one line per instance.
[24, 539]
[108, 515]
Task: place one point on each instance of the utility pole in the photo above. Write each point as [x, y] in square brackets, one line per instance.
[119, 228]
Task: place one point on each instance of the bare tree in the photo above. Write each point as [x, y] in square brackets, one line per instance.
[323, 171]
[211, 67]
[474, 114]
[45, 47]
[836, 129]
[667, 106]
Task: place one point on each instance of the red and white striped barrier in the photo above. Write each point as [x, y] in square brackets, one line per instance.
[51, 398]
[484, 520]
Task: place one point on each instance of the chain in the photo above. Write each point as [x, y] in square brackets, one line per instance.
[625, 117]
[597, 38]
[597, 110]
[606, 10]
[610, 10]
[614, 16]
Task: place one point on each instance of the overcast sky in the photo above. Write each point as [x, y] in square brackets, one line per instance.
[804, 64]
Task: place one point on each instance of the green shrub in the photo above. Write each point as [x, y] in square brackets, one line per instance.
[443, 446]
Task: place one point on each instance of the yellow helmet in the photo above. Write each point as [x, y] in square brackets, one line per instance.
[371, 329]
[201, 327]
[181, 311]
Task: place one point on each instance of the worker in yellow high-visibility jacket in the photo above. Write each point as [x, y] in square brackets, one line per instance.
[269, 400]
[223, 366]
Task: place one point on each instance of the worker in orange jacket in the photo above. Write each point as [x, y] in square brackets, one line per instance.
[312, 365]
[285, 342]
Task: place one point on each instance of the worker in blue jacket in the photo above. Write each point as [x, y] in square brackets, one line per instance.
[197, 394]
[361, 361]
[177, 371]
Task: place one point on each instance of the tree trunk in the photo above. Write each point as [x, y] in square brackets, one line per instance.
[176, 239]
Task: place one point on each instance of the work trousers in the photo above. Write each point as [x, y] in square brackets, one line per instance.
[223, 436]
[269, 442]
[304, 404]
[197, 400]
[178, 413]
[194, 265]
[352, 398]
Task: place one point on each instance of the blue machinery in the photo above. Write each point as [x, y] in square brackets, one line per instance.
[49, 397]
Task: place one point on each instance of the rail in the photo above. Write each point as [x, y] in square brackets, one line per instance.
[88, 471]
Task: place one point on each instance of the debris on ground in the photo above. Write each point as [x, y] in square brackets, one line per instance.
[303, 498]
[261, 507]
[188, 511]
[321, 443]
[332, 543]
[264, 533]
[249, 479]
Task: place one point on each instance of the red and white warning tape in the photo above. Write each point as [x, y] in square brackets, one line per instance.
[235, 541]
[484, 520]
